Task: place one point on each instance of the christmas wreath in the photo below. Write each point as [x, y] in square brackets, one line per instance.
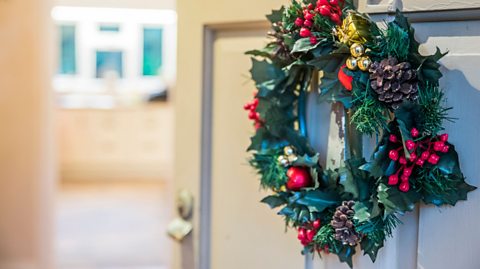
[388, 89]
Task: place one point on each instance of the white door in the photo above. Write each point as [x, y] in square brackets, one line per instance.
[231, 229]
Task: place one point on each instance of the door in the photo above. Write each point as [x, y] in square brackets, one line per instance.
[231, 229]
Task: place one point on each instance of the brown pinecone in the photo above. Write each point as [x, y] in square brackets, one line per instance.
[343, 224]
[393, 81]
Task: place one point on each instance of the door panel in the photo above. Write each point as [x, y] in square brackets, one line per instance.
[244, 233]
[448, 237]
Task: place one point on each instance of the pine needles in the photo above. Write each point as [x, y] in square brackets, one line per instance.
[273, 174]
[434, 112]
[370, 115]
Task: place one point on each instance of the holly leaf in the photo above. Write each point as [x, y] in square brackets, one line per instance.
[276, 15]
[331, 90]
[371, 247]
[304, 45]
[265, 74]
[362, 212]
[355, 181]
[345, 255]
[306, 160]
[396, 201]
[428, 70]
[274, 201]
[328, 63]
[319, 200]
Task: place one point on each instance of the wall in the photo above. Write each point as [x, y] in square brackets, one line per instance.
[26, 177]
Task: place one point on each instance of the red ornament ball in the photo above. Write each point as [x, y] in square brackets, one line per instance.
[298, 178]
[345, 79]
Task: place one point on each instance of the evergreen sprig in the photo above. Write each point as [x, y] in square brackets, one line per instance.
[273, 174]
[434, 111]
[370, 116]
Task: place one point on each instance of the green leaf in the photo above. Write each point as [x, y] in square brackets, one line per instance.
[371, 247]
[331, 90]
[276, 15]
[396, 201]
[362, 212]
[306, 160]
[320, 200]
[304, 45]
[266, 74]
[356, 181]
[274, 201]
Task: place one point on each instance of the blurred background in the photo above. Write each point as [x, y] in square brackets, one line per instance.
[115, 69]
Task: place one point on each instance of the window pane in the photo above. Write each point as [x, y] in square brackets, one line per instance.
[109, 61]
[67, 57]
[152, 50]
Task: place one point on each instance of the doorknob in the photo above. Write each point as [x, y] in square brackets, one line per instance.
[181, 227]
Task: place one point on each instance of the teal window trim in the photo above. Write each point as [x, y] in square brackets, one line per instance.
[108, 61]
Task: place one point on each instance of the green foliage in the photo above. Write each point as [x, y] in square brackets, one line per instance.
[444, 183]
[397, 42]
[376, 231]
[370, 116]
[434, 112]
[325, 237]
[396, 201]
[272, 173]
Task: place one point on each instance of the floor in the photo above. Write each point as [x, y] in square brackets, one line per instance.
[113, 225]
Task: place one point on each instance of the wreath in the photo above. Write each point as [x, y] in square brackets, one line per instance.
[388, 90]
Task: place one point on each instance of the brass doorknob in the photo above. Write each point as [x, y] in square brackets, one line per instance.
[181, 227]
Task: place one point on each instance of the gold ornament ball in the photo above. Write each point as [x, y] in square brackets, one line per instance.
[364, 63]
[283, 160]
[357, 50]
[352, 63]
[288, 150]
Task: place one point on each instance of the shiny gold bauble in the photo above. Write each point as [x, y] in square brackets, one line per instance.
[357, 50]
[283, 160]
[364, 63]
[355, 28]
[288, 150]
[352, 63]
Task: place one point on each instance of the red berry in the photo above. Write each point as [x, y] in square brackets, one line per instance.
[301, 234]
[407, 172]
[309, 16]
[255, 102]
[409, 144]
[334, 2]
[393, 138]
[298, 178]
[323, 3]
[310, 235]
[444, 137]
[308, 23]
[402, 160]
[335, 18]
[313, 40]
[310, 6]
[299, 22]
[445, 148]
[433, 159]
[420, 162]
[393, 154]
[404, 178]
[252, 115]
[393, 179]
[438, 145]
[324, 11]
[413, 156]
[317, 224]
[304, 32]
[247, 106]
[404, 186]
[258, 125]
[414, 132]
[425, 155]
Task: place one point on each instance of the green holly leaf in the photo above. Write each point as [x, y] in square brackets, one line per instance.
[346, 254]
[274, 201]
[362, 212]
[371, 247]
[428, 70]
[331, 90]
[266, 74]
[319, 200]
[355, 181]
[276, 15]
[306, 160]
[328, 63]
[396, 201]
[304, 45]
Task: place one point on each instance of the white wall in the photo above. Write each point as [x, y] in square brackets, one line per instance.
[160, 4]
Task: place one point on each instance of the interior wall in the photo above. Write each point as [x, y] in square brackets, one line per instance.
[26, 160]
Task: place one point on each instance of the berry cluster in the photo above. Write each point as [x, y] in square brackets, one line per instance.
[251, 107]
[306, 234]
[325, 8]
[420, 151]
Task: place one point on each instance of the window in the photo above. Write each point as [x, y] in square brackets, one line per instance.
[152, 50]
[68, 64]
[112, 28]
[109, 61]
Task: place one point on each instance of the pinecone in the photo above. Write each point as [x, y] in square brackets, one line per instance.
[393, 81]
[343, 224]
